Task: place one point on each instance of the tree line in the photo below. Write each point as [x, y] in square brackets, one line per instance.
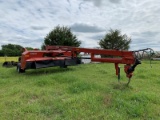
[63, 36]
[12, 50]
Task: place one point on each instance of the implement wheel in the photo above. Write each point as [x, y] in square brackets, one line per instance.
[19, 70]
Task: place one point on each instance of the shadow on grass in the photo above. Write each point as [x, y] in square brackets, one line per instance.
[44, 71]
[121, 86]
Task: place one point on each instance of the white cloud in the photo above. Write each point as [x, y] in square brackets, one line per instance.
[28, 22]
[86, 28]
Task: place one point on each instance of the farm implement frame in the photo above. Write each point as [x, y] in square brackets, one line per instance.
[64, 56]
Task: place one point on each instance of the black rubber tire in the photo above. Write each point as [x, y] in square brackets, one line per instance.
[19, 70]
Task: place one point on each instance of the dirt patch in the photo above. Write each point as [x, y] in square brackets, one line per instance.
[107, 100]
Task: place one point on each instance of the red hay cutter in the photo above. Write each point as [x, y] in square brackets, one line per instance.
[64, 56]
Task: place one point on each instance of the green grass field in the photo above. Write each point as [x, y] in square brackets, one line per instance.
[87, 91]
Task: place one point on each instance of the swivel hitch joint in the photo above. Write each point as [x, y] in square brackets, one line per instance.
[131, 68]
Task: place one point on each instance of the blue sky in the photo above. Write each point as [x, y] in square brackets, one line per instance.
[27, 22]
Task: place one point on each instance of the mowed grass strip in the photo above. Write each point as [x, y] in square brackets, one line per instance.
[86, 91]
[3, 59]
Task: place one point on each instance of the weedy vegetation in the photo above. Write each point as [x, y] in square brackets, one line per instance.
[86, 91]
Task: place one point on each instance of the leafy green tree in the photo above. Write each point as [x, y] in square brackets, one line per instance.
[11, 50]
[1, 53]
[115, 40]
[61, 36]
[29, 48]
[8, 52]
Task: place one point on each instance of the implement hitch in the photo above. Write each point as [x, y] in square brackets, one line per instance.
[129, 69]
